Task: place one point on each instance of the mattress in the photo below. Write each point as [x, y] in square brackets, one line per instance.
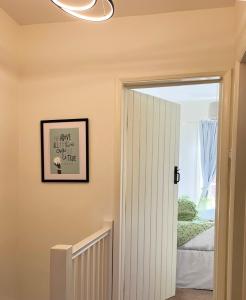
[195, 262]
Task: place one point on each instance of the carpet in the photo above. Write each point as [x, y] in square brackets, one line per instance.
[189, 294]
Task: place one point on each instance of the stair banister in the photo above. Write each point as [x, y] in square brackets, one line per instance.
[83, 271]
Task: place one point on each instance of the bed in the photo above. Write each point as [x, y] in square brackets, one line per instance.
[195, 262]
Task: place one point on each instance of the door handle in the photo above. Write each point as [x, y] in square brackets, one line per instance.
[177, 176]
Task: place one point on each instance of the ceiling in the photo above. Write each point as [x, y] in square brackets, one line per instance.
[185, 93]
[27, 12]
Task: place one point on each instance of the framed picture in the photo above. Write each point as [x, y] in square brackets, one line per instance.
[65, 150]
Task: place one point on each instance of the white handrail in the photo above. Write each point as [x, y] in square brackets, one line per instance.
[83, 271]
[88, 242]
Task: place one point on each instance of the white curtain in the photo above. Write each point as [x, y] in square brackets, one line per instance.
[208, 144]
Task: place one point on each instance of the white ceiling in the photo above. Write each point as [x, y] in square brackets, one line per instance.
[43, 11]
[185, 93]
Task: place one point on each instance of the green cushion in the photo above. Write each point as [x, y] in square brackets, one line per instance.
[186, 210]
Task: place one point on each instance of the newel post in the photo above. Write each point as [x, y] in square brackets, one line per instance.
[61, 273]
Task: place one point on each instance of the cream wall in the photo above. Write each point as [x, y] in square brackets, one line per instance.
[240, 37]
[71, 70]
[169, 42]
[8, 156]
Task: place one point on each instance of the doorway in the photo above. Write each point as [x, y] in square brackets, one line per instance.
[135, 265]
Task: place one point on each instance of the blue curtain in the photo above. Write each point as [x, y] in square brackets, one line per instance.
[208, 143]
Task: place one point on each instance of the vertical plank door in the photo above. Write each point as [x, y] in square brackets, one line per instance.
[151, 150]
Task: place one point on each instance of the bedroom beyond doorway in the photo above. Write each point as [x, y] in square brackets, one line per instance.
[196, 176]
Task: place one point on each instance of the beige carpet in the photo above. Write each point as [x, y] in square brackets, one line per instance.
[187, 294]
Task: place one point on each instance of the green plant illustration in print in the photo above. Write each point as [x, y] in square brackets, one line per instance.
[64, 151]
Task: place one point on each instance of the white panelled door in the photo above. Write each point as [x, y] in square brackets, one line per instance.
[151, 151]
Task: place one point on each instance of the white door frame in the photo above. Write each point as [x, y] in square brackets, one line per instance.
[237, 236]
[224, 145]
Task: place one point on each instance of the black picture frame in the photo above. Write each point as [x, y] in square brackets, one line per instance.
[45, 164]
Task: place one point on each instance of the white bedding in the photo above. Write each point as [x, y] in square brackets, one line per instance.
[195, 269]
[195, 262]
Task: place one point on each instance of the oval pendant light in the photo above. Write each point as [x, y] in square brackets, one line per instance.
[87, 6]
[79, 12]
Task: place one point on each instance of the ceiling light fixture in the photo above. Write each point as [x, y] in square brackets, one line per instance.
[78, 11]
[87, 6]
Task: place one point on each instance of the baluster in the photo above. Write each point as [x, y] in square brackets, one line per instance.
[105, 273]
[102, 271]
[75, 278]
[88, 272]
[97, 283]
[93, 272]
[82, 276]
